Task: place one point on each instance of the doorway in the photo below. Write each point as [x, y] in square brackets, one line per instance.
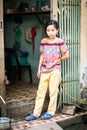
[17, 29]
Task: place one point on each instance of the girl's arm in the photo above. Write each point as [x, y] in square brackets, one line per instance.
[39, 66]
[65, 56]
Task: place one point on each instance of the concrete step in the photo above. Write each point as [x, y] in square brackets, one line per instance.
[22, 108]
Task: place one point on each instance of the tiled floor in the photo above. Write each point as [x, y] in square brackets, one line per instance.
[22, 124]
[20, 92]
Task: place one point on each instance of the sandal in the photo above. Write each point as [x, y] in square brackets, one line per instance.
[31, 117]
[47, 116]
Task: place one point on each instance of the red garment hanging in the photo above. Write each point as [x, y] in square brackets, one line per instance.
[33, 34]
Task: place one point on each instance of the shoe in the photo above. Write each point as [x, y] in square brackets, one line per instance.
[47, 116]
[31, 117]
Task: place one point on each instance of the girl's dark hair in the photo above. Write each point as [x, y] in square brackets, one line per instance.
[52, 22]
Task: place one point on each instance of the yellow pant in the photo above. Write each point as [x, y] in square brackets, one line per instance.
[49, 80]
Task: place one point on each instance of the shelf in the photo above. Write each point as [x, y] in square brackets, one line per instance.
[27, 13]
[30, 13]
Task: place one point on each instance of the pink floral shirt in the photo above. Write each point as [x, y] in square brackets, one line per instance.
[51, 52]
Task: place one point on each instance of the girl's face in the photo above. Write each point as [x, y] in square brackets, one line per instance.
[51, 31]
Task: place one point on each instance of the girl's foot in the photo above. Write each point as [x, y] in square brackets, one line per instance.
[31, 117]
[47, 116]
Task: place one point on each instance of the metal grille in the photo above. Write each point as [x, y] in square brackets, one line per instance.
[69, 23]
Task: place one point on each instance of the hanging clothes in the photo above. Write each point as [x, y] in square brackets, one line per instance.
[17, 30]
[28, 36]
[33, 34]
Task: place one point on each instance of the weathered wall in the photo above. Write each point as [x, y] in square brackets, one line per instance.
[83, 48]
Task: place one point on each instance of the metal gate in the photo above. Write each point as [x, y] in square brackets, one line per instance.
[69, 23]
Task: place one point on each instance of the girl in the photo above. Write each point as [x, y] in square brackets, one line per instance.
[53, 50]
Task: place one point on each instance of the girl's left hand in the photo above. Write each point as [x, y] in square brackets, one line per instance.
[58, 60]
[38, 73]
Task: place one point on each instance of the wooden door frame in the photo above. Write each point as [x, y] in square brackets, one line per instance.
[54, 8]
[2, 64]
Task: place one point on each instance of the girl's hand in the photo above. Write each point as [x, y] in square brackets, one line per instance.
[38, 73]
[58, 60]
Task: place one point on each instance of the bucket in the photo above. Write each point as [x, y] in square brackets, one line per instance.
[5, 123]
